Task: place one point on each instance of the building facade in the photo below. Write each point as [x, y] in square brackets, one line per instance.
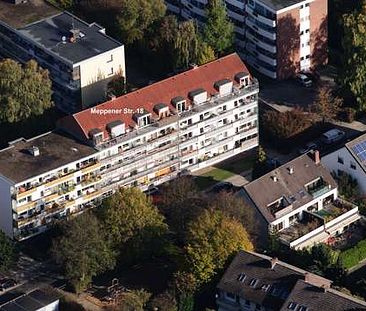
[277, 38]
[258, 282]
[80, 57]
[181, 124]
[299, 203]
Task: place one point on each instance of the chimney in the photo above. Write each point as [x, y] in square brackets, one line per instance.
[274, 261]
[307, 277]
[316, 157]
[291, 170]
[323, 289]
[274, 178]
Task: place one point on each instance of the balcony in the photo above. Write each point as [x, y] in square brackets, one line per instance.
[335, 209]
[318, 188]
[268, 34]
[257, 15]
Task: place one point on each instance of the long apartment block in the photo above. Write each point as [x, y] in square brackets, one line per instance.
[80, 57]
[276, 37]
[181, 124]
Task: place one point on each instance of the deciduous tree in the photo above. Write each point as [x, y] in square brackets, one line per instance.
[132, 300]
[186, 44]
[326, 105]
[218, 31]
[7, 252]
[211, 239]
[25, 91]
[206, 53]
[83, 250]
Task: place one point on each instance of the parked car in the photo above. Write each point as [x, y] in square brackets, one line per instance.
[308, 147]
[312, 75]
[7, 283]
[223, 186]
[332, 136]
[303, 80]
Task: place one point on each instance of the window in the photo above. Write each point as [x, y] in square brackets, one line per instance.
[340, 160]
[301, 33]
[307, 56]
[302, 58]
[253, 282]
[307, 4]
[242, 277]
[307, 30]
[292, 306]
[353, 165]
[111, 72]
[110, 59]
[265, 287]
[230, 296]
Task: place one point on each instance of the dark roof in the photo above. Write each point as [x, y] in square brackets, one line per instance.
[177, 99]
[49, 32]
[315, 298]
[221, 82]
[113, 124]
[56, 150]
[279, 280]
[240, 75]
[280, 4]
[195, 92]
[32, 301]
[159, 106]
[264, 190]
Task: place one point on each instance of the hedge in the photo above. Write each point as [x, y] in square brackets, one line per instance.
[353, 256]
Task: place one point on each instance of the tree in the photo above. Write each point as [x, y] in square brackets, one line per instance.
[132, 300]
[211, 240]
[83, 250]
[185, 285]
[7, 252]
[326, 105]
[353, 74]
[117, 86]
[136, 16]
[24, 91]
[186, 44]
[218, 31]
[260, 166]
[134, 225]
[206, 53]
[324, 258]
[65, 4]
[164, 302]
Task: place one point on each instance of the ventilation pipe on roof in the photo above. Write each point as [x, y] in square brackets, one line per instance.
[274, 261]
[291, 170]
[274, 178]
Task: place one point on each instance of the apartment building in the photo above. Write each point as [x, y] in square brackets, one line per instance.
[80, 57]
[258, 282]
[299, 202]
[277, 38]
[349, 159]
[186, 122]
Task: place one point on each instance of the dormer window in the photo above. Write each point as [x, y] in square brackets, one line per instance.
[116, 128]
[142, 119]
[179, 103]
[242, 78]
[162, 110]
[96, 135]
[198, 96]
[224, 86]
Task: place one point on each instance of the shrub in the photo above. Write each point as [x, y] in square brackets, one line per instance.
[349, 114]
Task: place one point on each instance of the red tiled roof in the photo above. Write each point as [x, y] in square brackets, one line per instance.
[161, 92]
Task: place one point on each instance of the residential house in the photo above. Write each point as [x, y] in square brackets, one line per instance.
[299, 202]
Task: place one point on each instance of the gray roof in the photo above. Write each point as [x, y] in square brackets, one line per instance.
[49, 32]
[32, 301]
[315, 298]
[279, 279]
[56, 150]
[280, 4]
[264, 190]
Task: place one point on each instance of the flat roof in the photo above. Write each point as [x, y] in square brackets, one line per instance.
[280, 4]
[49, 33]
[56, 150]
[19, 15]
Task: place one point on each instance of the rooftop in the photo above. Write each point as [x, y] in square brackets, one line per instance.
[357, 148]
[32, 301]
[54, 34]
[280, 4]
[22, 14]
[55, 150]
[311, 297]
[264, 280]
[123, 107]
[285, 188]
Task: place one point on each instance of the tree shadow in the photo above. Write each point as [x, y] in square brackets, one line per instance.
[319, 44]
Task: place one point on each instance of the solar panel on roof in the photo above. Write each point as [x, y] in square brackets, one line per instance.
[360, 151]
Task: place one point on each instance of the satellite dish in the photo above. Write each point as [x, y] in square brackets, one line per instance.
[63, 39]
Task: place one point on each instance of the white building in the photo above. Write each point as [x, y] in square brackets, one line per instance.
[184, 123]
[299, 202]
[349, 159]
[80, 57]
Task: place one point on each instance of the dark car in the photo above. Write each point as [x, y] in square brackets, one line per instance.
[223, 186]
[308, 147]
[7, 283]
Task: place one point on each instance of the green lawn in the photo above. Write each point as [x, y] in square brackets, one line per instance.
[224, 171]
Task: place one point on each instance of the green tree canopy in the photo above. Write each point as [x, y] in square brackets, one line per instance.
[134, 225]
[7, 252]
[206, 53]
[218, 31]
[24, 90]
[132, 300]
[83, 250]
[136, 16]
[211, 239]
[186, 44]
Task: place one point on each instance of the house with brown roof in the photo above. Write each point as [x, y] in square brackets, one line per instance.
[258, 282]
[299, 202]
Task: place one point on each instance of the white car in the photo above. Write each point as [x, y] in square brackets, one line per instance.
[304, 80]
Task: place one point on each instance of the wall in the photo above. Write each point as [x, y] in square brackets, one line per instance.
[330, 161]
[6, 218]
[95, 75]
